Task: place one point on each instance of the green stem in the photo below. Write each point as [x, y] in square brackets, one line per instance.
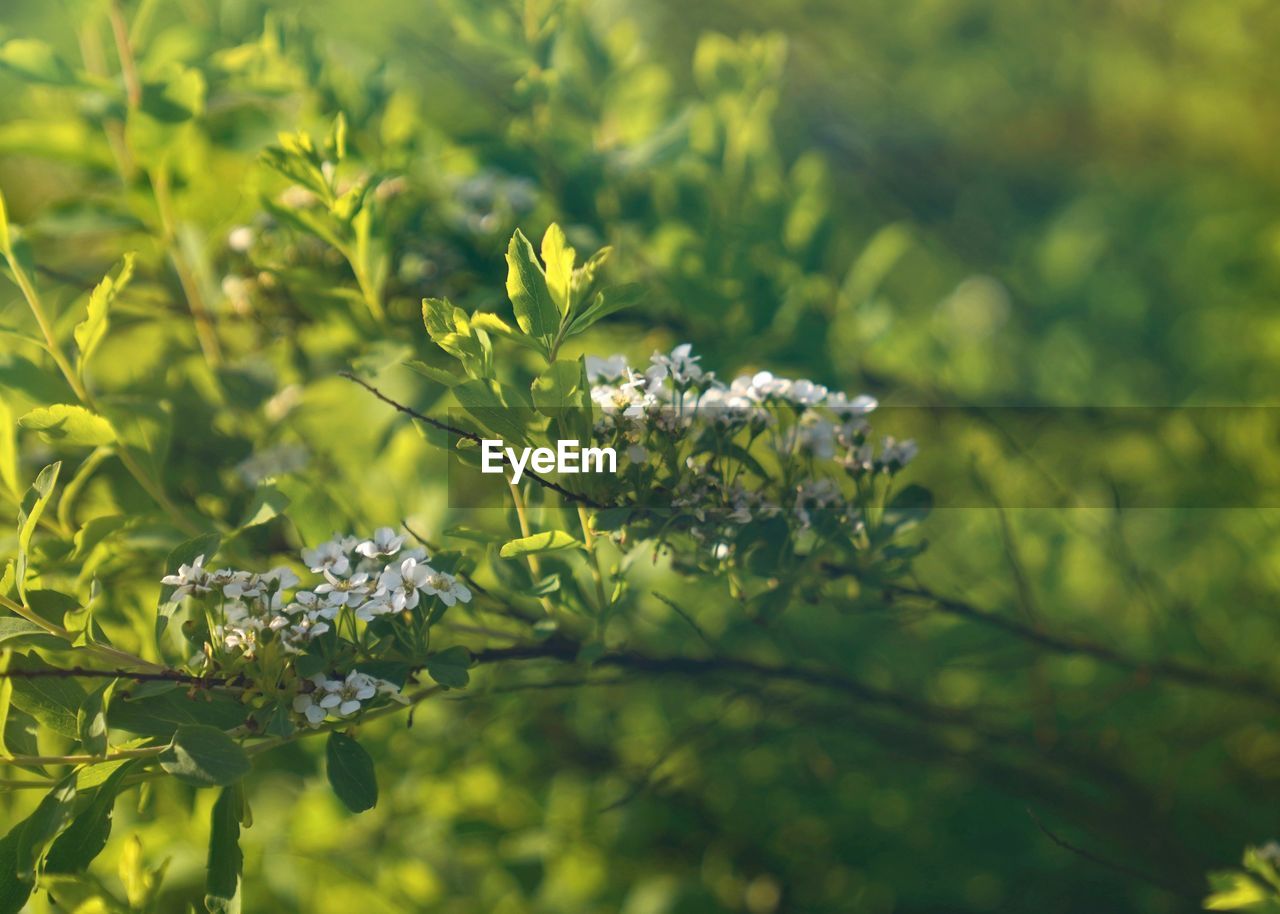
[148, 484]
[589, 539]
[143, 752]
[101, 650]
[535, 567]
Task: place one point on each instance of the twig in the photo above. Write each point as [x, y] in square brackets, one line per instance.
[675, 607]
[135, 676]
[1182, 673]
[1115, 866]
[463, 433]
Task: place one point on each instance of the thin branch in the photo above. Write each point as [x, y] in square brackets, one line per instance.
[207, 682]
[1113, 865]
[675, 607]
[1172, 670]
[442, 426]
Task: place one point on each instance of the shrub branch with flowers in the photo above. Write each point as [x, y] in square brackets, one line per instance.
[184, 641]
[756, 480]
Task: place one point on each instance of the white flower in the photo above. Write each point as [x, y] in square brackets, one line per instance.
[681, 366]
[340, 591]
[330, 556]
[846, 408]
[344, 697]
[384, 542]
[610, 369]
[190, 579]
[897, 454]
[448, 588]
[403, 584]
[308, 705]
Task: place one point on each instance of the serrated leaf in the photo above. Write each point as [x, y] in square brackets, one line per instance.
[225, 861]
[550, 541]
[87, 835]
[535, 311]
[558, 257]
[351, 773]
[449, 667]
[64, 423]
[204, 757]
[90, 332]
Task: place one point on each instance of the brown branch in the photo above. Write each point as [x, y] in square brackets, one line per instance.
[440, 425]
[207, 682]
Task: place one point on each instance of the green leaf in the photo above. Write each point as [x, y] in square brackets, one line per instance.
[607, 301]
[71, 425]
[43, 825]
[6, 241]
[536, 313]
[14, 892]
[183, 554]
[36, 61]
[431, 373]
[161, 715]
[93, 328]
[351, 774]
[95, 531]
[558, 257]
[33, 505]
[561, 386]
[15, 632]
[54, 701]
[204, 757]
[268, 502]
[91, 720]
[226, 861]
[8, 451]
[449, 667]
[87, 834]
[494, 406]
[550, 541]
[908, 508]
[144, 427]
[491, 323]
[451, 330]
[179, 96]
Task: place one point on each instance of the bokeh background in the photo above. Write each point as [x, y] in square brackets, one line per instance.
[940, 202]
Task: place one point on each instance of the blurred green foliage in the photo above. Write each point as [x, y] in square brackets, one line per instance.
[944, 202]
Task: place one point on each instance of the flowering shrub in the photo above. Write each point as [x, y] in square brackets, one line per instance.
[598, 670]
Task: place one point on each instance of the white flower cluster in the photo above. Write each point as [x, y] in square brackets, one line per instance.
[674, 392]
[818, 435]
[340, 698]
[363, 578]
